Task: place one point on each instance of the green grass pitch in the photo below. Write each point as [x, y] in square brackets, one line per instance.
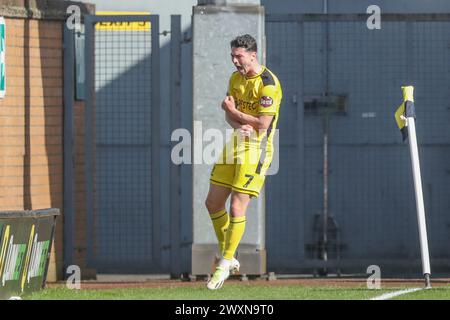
[236, 292]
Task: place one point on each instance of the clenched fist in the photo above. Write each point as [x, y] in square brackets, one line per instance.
[246, 130]
[228, 104]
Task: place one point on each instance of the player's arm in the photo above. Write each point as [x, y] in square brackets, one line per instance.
[258, 122]
[231, 122]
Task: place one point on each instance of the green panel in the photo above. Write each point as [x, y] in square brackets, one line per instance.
[2, 62]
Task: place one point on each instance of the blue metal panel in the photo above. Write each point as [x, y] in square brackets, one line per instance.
[284, 194]
[122, 66]
[370, 189]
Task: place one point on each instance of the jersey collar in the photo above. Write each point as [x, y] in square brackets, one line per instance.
[263, 68]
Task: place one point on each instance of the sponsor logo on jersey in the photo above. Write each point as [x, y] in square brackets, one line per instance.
[266, 101]
[246, 105]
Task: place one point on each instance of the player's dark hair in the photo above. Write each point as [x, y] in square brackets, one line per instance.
[245, 41]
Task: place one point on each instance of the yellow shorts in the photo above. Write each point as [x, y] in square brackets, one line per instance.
[244, 176]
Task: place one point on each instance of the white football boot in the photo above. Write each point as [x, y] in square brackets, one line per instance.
[220, 275]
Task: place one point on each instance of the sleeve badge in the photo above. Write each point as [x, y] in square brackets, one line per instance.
[266, 101]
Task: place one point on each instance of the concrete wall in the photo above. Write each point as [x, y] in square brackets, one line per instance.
[214, 27]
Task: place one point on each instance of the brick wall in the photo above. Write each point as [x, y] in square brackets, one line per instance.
[31, 123]
[31, 120]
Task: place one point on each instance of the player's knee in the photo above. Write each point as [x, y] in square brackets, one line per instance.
[212, 205]
[237, 209]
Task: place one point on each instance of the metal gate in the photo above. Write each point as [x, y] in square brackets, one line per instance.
[122, 108]
[343, 198]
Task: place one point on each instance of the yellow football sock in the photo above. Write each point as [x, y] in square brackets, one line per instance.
[220, 221]
[234, 235]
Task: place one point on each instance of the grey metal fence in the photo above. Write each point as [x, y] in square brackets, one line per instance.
[122, 81]
[344, 197]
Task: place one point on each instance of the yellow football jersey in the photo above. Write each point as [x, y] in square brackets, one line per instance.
[256, 96]
[244, 161]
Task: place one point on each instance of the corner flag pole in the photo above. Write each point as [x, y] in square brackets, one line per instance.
[405, 117]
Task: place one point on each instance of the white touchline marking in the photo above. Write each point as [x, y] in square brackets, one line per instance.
[391, 295]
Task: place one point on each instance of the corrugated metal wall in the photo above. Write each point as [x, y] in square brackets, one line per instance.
[370, 188]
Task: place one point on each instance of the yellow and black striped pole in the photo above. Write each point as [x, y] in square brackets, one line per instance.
[405, 118]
